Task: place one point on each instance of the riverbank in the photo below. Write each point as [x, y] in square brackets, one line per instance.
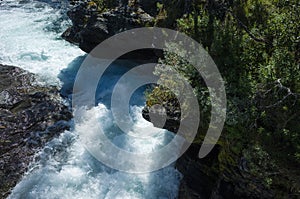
[30, 116]
[240, 166]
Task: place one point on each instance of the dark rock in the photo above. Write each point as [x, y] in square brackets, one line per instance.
[196, 183]
[203, 178]
[150, 6]
[78, 15]
[211, 177]
[90, 27]
[172, 116]
[30, 115]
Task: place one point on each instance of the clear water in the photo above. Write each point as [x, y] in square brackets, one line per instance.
[30, 38]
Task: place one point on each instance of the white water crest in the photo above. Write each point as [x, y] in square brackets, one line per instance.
[30, 38]
[67, 170]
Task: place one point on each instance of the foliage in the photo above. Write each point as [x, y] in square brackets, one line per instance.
[256, 46]
[102, 5]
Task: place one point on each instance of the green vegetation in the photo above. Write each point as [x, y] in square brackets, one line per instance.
[256, 46]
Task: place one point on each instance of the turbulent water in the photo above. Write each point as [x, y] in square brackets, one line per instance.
[30, 38]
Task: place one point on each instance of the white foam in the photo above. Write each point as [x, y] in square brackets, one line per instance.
[26, 42]
[66, 170]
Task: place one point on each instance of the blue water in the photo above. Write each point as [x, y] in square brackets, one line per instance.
[30, 38]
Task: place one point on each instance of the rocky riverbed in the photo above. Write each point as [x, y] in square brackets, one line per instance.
[30, 115]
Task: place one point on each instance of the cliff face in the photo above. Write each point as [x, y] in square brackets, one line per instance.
[91, 27]
[30, 115]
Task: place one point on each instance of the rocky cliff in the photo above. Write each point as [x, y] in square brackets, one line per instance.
[91, 26]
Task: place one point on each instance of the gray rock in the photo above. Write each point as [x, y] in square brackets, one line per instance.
[30, 115]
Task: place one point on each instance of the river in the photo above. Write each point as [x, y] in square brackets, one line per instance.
[30, 38]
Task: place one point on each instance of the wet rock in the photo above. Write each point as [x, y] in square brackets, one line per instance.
[30, 115]
[170, 114]
[91, 27]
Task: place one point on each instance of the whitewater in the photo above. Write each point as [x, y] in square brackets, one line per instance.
[64, 169]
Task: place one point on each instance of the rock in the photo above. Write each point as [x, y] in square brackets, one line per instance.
[211, 177]
[30, 115]
[150, 6]
[90, 27]
[78, 15]
[172, 116]
[203, 178]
